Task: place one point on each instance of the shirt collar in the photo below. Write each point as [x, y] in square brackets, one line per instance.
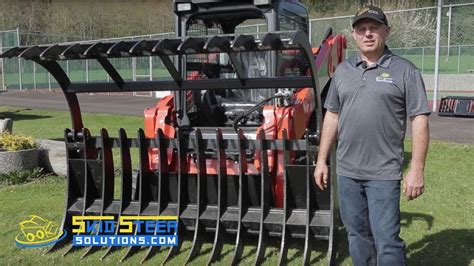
[384, 60]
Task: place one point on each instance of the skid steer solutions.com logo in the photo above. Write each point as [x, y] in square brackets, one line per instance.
[128, 231]
[38, 232]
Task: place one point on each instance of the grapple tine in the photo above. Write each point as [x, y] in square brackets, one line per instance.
[221, 200]
[334, 208]
[162, 184]
[218, 44]
[286, 209]
[74, 51]
[309, 190]
[88, 182]
[264, 198]
[52, 52]
[97, 50]
[121, 48]
[181, 188]
[72, 194]
[107, 190]
[137, 47]
[32, 52]
[201, 195]
[243, 43]
[130, 250]
[143, 47]
[126, 176]
[192, 45]
[143, 184]
[167, 47]
[13, 52]
[242, 200]
[271, 41]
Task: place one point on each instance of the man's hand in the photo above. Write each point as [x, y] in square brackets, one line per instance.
[321, 175]
[328, 137]
[414, 184]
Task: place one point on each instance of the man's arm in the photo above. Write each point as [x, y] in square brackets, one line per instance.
[413, 183]
[328, 137]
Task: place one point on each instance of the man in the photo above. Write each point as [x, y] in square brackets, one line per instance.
[367, 105]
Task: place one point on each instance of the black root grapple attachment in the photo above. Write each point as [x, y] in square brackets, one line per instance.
[228, 207]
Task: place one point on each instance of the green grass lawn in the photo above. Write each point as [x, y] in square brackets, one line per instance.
[438, 227]
[47, 124]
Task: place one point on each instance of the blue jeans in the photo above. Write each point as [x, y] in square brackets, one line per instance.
[370, 211]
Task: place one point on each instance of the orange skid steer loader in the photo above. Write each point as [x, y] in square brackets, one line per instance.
[230, 152]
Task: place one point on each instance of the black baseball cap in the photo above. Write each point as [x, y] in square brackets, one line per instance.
[370, 12]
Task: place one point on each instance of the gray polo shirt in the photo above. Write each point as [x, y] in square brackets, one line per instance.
[373, 104]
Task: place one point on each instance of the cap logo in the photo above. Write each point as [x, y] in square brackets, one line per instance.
[373, 12]
[362, 11]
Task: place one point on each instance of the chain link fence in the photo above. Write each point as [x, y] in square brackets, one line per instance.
[8, 39]
[413, 36]
[24, 74]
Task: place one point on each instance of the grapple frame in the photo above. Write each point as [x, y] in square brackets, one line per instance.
[307, 212]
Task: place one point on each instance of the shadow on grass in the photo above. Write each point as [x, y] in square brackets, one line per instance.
[407, 219]
[17, 115]
[448, 247]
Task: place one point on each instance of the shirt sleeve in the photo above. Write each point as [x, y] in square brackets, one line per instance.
[415, 94]
[332, 103]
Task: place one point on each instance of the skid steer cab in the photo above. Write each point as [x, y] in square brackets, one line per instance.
[230, 152]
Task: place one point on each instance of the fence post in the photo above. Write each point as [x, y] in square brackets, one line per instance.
[422, 59]
[1, 60]
[151, 67]
[19, 59]
[67, 67]
[459, 58]
[49, 82]
[87, 70]
[449, 31]
[438, 37]
[34, 76]
[310, 33]
[134, 68]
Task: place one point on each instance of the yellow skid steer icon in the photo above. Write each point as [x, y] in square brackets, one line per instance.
[38, 229]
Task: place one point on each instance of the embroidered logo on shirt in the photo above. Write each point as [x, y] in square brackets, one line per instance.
[384, 77]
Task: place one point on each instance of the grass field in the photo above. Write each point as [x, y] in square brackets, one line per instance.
[438, 227]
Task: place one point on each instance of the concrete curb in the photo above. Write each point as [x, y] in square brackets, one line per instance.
[52, 156]
[11, 161]
[6, 125]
